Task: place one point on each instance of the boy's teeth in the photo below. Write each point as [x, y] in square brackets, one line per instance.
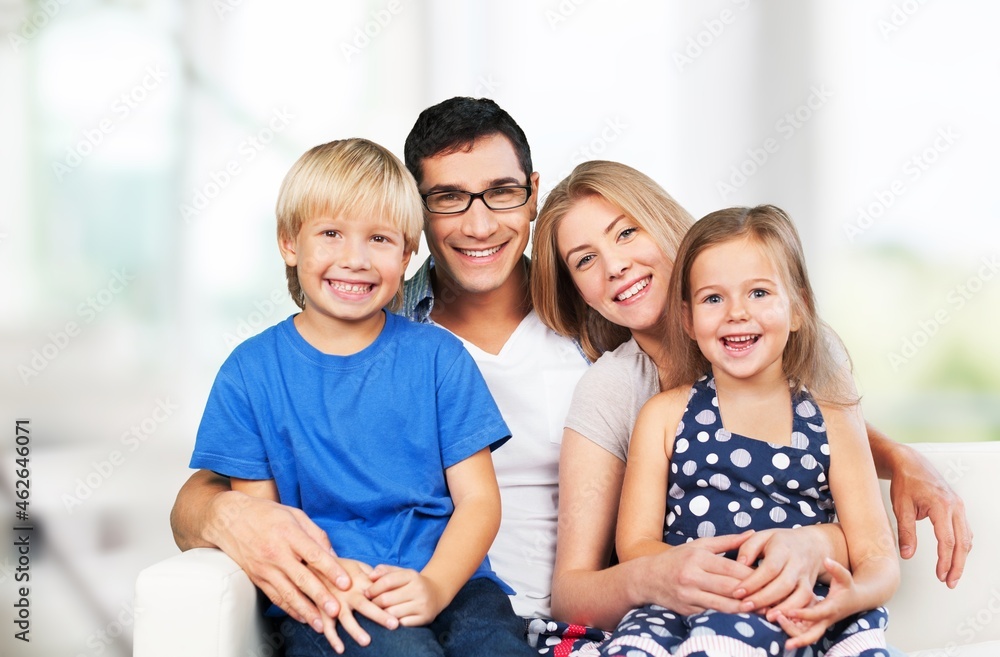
[480, 254]
[632, 290]
[352, 288]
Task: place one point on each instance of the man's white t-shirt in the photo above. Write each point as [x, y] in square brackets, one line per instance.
[532, 381]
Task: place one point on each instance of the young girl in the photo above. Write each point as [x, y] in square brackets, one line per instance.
[768, 436]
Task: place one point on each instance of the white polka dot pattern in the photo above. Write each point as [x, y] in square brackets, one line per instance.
[723, 483]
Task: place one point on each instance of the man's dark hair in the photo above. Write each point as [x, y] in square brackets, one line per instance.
[454, 125]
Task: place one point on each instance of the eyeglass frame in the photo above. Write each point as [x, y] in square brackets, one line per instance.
[481, 196]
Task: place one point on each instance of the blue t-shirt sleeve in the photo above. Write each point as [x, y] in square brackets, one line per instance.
[469, 419]
[229, 439]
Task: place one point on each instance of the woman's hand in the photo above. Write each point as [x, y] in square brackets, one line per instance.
[791, 563]
[693, 577]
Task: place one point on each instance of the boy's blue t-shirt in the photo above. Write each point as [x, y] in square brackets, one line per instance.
[361, 442]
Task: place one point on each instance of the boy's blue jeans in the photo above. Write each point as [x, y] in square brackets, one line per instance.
[479, 621]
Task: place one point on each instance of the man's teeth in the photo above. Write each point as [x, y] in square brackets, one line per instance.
[480, 254]
[351, 288]
[627, 294]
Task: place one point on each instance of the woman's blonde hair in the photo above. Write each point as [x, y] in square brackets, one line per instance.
[355, 176]
[553, 293]
[810, 357]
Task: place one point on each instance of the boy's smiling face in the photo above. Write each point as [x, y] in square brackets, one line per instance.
[349, 268]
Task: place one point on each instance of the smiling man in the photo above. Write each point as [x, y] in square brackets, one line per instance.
[472, 164]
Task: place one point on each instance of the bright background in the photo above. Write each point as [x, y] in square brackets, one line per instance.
[878, 121]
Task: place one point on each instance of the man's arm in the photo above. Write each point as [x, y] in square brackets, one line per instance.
[277, 546]
[918, 491]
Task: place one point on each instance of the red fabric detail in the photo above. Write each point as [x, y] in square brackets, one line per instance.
[570, 636]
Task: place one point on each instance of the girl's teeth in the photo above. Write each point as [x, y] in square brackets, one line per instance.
[740, 342]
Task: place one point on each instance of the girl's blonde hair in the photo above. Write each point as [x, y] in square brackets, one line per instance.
[553, 293]
[810, 357]
[355, 176]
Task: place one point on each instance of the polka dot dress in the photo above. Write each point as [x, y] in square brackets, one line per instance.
[723, 483]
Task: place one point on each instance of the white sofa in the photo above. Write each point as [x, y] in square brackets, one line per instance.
[200, 604]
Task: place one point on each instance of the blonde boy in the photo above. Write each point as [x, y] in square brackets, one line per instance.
[379, 429]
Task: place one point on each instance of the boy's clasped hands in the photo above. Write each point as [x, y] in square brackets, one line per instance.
[388, 595]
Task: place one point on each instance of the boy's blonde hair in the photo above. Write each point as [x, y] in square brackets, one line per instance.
[354, 176]
[810, 356]
[553, 293]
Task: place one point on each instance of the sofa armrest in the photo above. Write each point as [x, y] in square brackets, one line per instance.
[198, 604]
[927, 615]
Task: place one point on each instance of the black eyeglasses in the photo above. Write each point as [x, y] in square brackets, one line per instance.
[495, 198]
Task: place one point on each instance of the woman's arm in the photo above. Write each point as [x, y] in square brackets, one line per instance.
[278, 547]
[644, 488]
[688, 578]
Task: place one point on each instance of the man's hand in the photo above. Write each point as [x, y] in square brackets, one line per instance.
[354, 600]
[919, 491]
[282, 551]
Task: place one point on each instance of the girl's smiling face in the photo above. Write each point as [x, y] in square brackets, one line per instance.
[740, 311]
